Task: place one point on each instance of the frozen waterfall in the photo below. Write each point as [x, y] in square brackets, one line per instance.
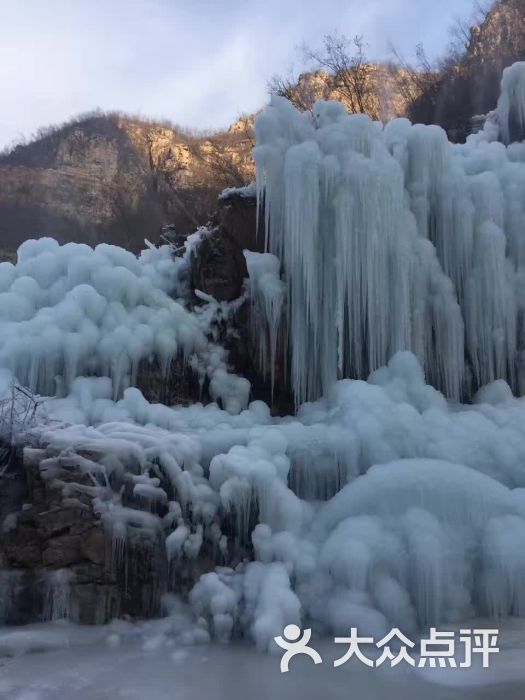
[393, 255]
[392, 238]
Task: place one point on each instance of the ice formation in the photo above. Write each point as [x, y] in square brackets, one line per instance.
[381, 503]
[57, 594]
[405, 240]
[510, 111]
[68, 311]
[267, 293]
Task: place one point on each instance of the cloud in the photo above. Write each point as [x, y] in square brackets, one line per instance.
[199, 63]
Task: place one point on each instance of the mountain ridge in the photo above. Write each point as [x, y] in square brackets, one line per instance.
[112, 177]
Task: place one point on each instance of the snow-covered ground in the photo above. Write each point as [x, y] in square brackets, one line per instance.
[88, 664]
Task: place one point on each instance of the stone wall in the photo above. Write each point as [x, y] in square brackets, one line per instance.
[56, 557]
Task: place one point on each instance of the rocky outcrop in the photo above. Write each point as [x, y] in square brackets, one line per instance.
[467, 83]
[500, 33]
[496, 42]
[218, 268]
[56, 554]
[116, 179]
[382, 94]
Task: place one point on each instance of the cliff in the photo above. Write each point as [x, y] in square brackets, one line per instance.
[108, 177]
[467, 82]
[381, 85]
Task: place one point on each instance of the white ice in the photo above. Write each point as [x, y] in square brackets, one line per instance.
[383, 501]
[392, 238]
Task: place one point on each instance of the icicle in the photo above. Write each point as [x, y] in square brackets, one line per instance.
[267, 294]
[57, 594]
[511, 104]
[118, 545]
[384, 241]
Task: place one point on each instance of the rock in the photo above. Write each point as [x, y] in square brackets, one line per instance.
[181, 387]
[94, 604]
[115, 179]
[89, 573]
[93, 545]
[20, 597]
[237, 216]
[22, 547]
[59, 520]
[60, 540]
[13, 486]
[218, 268]
[62, 551]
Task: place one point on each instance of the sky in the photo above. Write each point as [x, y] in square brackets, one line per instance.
[199, 63]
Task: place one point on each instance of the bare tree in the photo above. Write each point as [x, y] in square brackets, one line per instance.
[17, 415]
[348, 77]
[346, 63]
[225, 164]
[299, 91]
[418, 83]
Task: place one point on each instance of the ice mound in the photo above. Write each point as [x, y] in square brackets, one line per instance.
[69, 311]
[379, 505]
[411, 544]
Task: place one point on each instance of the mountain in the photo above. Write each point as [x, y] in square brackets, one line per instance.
[113, 177]
[467, 82]
[373, 88]
[110, 177]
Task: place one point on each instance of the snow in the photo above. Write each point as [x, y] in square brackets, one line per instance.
[133, 662]
[249, 190]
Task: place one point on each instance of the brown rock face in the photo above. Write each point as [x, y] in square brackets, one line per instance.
[116, 179]
[237, 216]
[219, 269]
[467, 83]
[383, 99]
[53, 546]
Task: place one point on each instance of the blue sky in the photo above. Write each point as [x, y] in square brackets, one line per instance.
[199, 63]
